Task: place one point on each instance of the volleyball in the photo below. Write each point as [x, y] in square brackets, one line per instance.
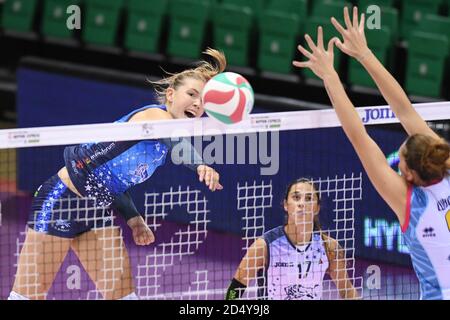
[228, 97]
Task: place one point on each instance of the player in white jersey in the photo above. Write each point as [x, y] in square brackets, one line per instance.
[420, 197]
[290, 261]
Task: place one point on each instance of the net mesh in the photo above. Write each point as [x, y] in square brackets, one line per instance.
[81, 249]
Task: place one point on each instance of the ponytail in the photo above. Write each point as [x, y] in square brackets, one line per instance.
[204, 71]
[429, 157]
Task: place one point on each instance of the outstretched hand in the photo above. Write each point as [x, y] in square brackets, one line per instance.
[320, 60]
[210, 177]
[142, 235]
[355, 43]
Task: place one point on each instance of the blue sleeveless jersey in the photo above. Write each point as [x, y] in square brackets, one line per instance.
[104, 170]
[427, 234]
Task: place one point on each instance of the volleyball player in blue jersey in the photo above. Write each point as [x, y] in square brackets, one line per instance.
[420, 196]
[102, 173]
[289, 262]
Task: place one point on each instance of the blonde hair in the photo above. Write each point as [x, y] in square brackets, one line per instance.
[204, 71]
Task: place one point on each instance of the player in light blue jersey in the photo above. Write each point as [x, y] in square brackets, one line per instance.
[72, 210]
[420, 197]
[290, 262]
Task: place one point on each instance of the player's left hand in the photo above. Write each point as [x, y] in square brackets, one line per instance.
[210, 177]
[142, 235]
[320, 60]
[355, 43]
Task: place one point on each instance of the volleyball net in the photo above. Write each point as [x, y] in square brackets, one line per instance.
[201, 236]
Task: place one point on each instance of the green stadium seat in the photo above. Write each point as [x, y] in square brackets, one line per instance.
[413, 12]
[435, 24]
[102, 21]
[330, 8]
[390, 19]
[144, 24]
[380, 43]
[257, 6]
[447, 6]
[329, 31]
[1, 14]
[425, 67]
[211, 3]
[363, 4]
[278, 35]
[55, 18]
[18, 15]
[188, 19]
[297, 7]
[232, 27]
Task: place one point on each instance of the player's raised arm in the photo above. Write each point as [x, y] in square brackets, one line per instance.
[193, 160]
[390, 186]
[355, 45]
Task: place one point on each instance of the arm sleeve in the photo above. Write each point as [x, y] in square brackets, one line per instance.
[235, 290]
[125, 205]
[183, 152]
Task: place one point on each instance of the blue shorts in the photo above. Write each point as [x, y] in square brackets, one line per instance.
[57, 211]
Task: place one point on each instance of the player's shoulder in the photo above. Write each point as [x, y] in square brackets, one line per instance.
[419, 197]
[156, 114]
[258, 248]
[259, 243]
[273, 234]
[150, 114]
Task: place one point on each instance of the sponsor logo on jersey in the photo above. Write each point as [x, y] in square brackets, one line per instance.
[141, 171]
[443, 204]
[62, 225]
[74, 166]
[428, 233]
[79, 164]
[283, 264]
[108, 216]
[103, 151]
[298, 291]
